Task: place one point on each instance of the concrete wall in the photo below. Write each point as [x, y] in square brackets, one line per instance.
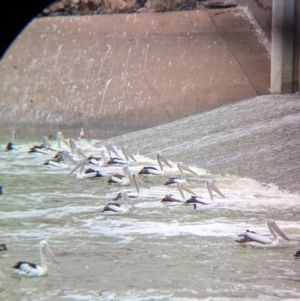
[114, 74]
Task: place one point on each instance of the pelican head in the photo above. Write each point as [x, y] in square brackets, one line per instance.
[182, 167]
[273, 227]
[47, 251]
[127, 153]
[60, 137]
[126, 199]
[161, 158]
[212, 187]
[110, 148]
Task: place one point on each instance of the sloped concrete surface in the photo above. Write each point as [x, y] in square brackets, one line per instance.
[114, 74]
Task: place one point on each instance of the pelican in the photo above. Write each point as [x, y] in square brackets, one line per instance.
[110, 149]
[11, 144]
[171, 198]
[254, 239]
[32, 269]
[133, 195]
[3, 247]
[98, 160]
[181, 168]
[38, 149]
[297, 254]
[196, 199]
[122, 179]
[60, 159]
[118, 161]
[151, 170]
[60, 137]
[118, 208]
[87, 174]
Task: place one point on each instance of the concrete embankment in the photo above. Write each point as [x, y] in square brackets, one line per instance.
[114, 74]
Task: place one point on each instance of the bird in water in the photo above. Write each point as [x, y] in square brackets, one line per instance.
[11, 144]
[117, 208]
[181, 167]
[87, 174]
[196, 199]
[3, 247]
[134, 195]
[121, 179]
[297, 254]
[151, 170]
[173, 198]
[31, 269]
[254, 239]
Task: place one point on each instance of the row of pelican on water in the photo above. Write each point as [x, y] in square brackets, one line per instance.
[78, 157]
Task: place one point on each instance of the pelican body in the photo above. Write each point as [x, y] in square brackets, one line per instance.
[151, 170]
[87, 174]
[133, 195]
[11, 144]
[121, 179]
[196, 199]
[31, 269]
[3, 247]
[117, 208]
[256, 240]
[297, 254]
[181, 168]
[173, 198]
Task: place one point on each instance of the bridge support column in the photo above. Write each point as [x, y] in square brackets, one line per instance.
[285, 46]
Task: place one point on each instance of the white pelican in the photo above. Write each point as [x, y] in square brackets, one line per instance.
[32, 269]
[134, 195]
[172, 198]
[11, 144]
[256, 240]
[87, 174]
[60, 159]
[98, 160]
[110, 149]
[181, 168]
[121, 179]
[60, 137]
[38, 149]
[118, 208]
[196, 199]
[3, 247]
[297, 254]
[119, 161]
[151, 170]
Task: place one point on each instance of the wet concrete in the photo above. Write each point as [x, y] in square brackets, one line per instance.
[116, 73]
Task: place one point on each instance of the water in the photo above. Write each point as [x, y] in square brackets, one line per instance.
[171, 253]
[157, 252]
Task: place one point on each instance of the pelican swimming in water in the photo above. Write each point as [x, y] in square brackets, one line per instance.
[118, 208]
[119, 161]
[134, 195]
[87, 174]
[256, 240]
[60, 159]
[196, 199]
[98, 159]
[173, 198]
[151, 170]
[32, 269]
[181, 168]
[121, 179]
[11, 144]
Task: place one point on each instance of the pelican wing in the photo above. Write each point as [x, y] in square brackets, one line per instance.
[251, 236]
[27, 268]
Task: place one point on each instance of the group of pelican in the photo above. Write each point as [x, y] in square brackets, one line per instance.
[78, 157]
